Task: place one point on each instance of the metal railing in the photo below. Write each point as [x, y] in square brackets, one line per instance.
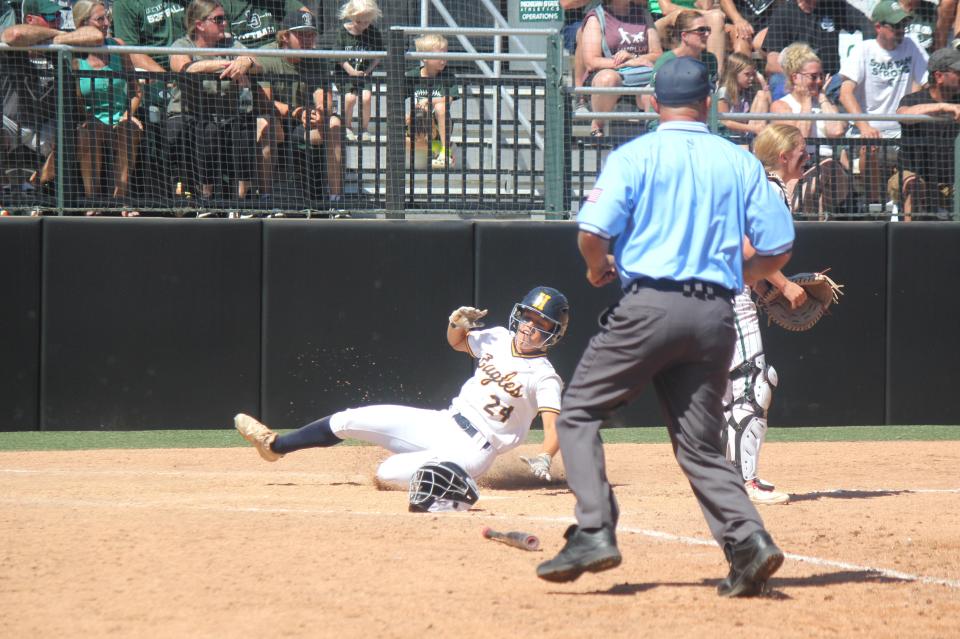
[522, 147]
[590, 153]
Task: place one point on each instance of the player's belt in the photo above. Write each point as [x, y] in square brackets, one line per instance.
[690, 288]
[469, 428]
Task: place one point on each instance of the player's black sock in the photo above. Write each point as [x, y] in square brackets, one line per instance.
[314, 435]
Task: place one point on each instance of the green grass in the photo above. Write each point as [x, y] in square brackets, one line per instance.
[228, 438]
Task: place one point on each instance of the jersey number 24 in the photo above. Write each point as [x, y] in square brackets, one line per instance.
[497, 410]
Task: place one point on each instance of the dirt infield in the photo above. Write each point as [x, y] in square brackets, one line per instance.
[217, 543]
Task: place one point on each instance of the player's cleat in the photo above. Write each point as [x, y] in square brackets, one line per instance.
[762, 492]
[752, 562]
[258, 435]
[586, 550]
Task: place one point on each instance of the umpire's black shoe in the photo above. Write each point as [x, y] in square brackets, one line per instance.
[752, 562]
[593, 549]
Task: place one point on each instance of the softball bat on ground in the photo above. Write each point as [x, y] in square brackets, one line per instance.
[521, 540]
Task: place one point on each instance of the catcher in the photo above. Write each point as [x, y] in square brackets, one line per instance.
[781, 149]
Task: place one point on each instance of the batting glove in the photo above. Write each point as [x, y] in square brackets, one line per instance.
[540, 466]
[466, 317]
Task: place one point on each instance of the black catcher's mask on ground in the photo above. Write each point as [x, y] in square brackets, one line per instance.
[441, 486]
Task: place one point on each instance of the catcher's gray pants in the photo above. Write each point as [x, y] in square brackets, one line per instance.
[683, 342]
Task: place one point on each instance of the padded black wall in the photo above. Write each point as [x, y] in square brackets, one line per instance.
[149, 323]
[127, 324]
[19, 322]
[834, 374]
[355, 313]
[924, 312]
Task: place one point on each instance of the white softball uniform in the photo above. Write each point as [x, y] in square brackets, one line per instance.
[491, 415]
[750, 387]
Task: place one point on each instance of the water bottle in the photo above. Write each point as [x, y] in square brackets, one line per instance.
[246, 100]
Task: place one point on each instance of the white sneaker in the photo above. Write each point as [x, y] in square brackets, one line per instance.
[761, 492]
[258, 435]
[367, 137]
[351, 136]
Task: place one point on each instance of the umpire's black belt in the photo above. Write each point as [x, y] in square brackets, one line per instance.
[690, 288]
[469, 428]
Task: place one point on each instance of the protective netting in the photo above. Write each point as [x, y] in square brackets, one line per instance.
[107, 132]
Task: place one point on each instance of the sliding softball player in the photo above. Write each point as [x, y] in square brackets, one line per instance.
[513, 383]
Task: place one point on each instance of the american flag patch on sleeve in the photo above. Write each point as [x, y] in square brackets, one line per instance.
[594, 195]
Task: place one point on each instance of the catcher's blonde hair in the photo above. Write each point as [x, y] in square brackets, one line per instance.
[775, 140]
[430, 42]
[367, 10]
[794, 57]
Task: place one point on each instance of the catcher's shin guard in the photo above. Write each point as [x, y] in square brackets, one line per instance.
[751, 394]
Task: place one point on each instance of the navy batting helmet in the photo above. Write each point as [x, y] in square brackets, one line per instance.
[441, 486]
[548, 303]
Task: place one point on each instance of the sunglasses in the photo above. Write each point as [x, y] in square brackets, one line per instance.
[704, 31]
[812, 76]
[897, 27]
[51, 17]
[220, 20]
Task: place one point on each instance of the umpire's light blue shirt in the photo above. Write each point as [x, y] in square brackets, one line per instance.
[679, 202]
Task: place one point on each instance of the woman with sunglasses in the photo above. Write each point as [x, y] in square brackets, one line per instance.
[110, 104]
[219, 108]
[619, 38]
[690, 33]
[826, 184]
[780, 148]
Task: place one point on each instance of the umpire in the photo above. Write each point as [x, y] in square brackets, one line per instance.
[676, 205]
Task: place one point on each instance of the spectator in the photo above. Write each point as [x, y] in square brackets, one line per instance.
[572, 30]
[156, 23]
[691, 32]
[358, 34]
[110, 104]
[749, 19]
[876, 76]
[253, 24]
[816, 22]
[927, 147]
[299, 91]
[28, 82]
[149, 23]
[826, 185]
[220, 108]
[924, 24]
[431, 101]
[948, 25]
[619, 40]
[665, 14]
[742, 91]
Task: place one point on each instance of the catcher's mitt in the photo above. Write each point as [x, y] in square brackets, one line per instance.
[821, 293]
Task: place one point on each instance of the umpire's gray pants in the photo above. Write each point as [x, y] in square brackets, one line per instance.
[683, 344]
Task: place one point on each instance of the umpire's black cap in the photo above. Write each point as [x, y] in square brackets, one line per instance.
[683, 80]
